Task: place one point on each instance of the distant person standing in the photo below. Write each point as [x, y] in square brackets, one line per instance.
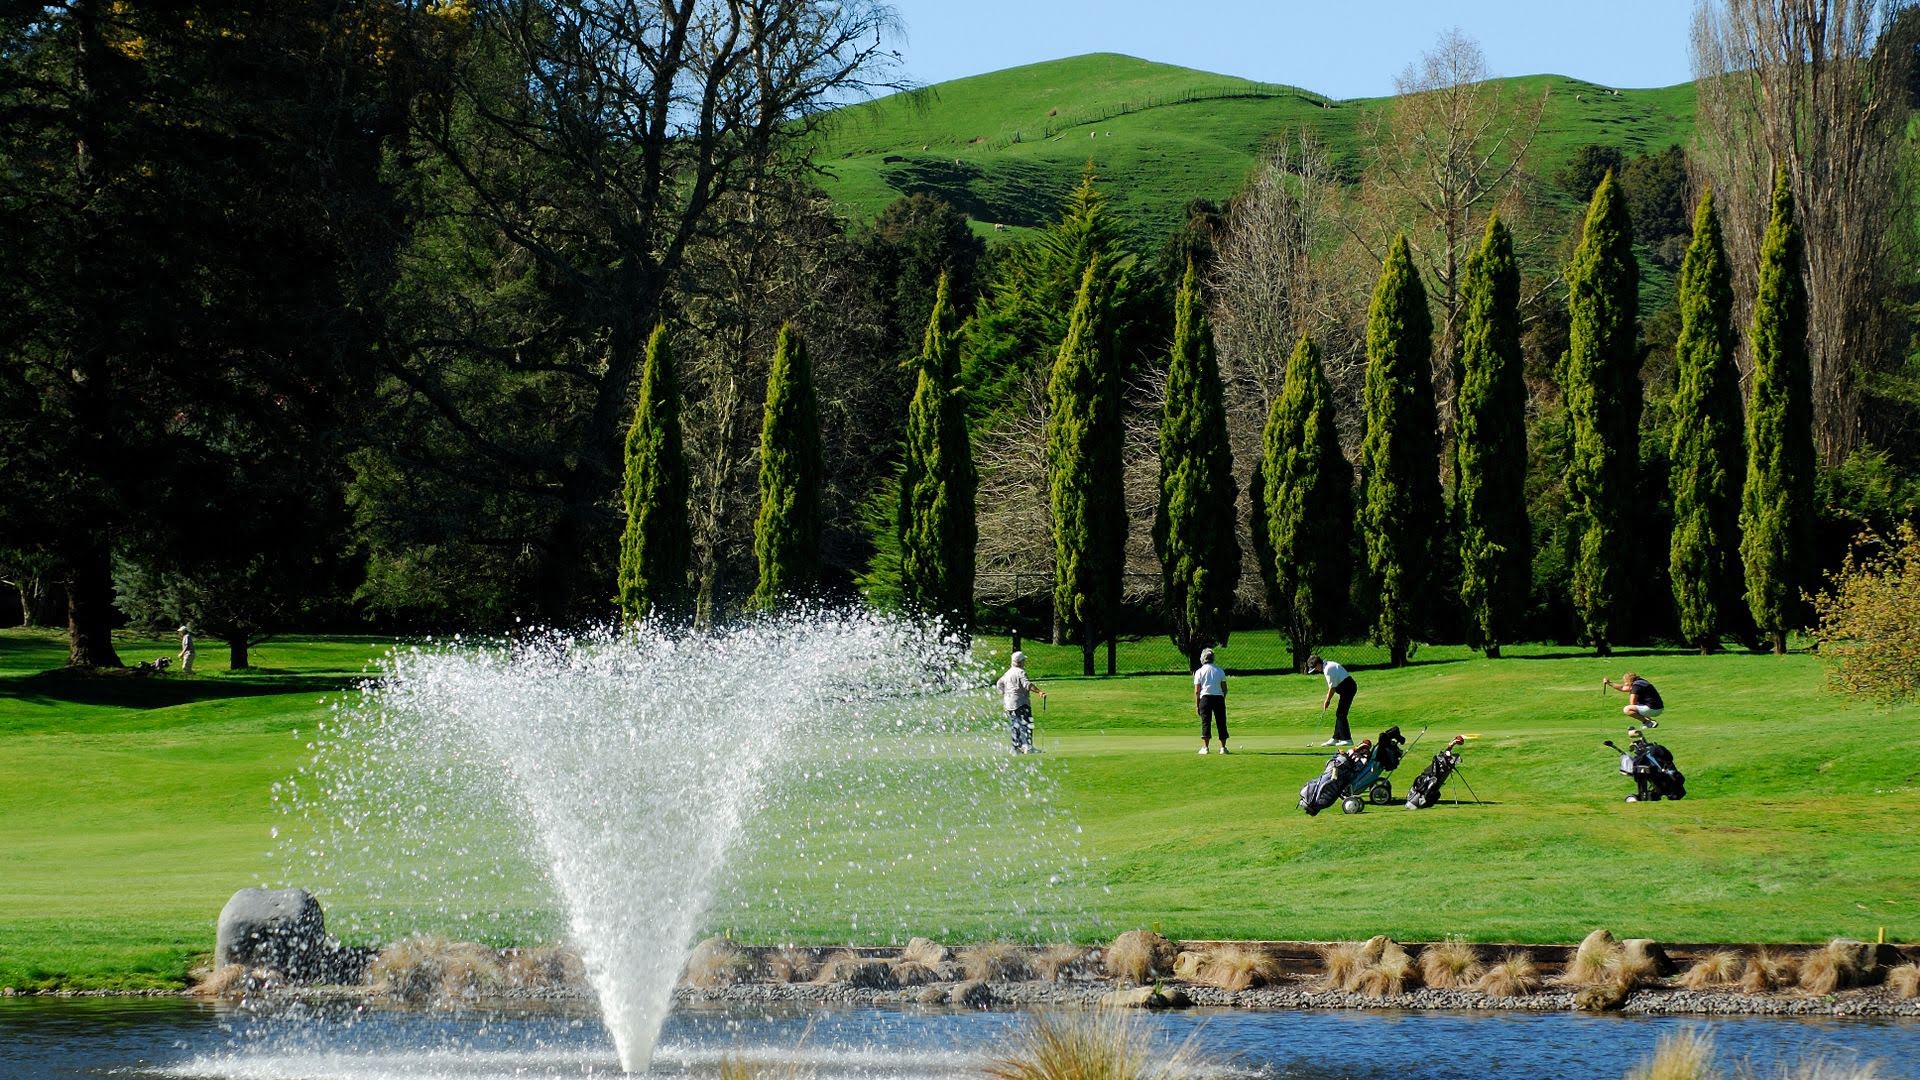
[186, 649]
[1643, 701]
[1210, 700]
[1015, 690]
[1339, 684]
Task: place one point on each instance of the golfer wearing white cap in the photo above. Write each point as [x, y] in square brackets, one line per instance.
[1210, 700]
[1014, 689]
[186, 649]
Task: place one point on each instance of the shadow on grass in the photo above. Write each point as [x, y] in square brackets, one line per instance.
[128, 689]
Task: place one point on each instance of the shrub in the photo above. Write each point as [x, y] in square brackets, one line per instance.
[1836, 966]
[1237, 967]
[1713, 971]
[1681, 1055]
[1341, 963]
[1764, 973]
[1389, 974]
[1869, 621]
[1514, 976]
[715, 962]
[1110, 1044]
[1139, 956]
[998, 961]
[1451, 964]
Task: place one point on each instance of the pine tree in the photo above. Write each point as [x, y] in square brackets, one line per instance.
[1602, 389]
[1307, 507]
[786, 535]
[1707, 450]
[1083, 473]
[1194, 530]
[1496, 539]
[657, 545]
[1778, 503]
[937, 529]
[1400, 509]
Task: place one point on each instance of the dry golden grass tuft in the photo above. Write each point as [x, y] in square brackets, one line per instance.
[1593, 962]
[736, 1068]
[1341, 963]
[1681, 1055]
[914, 973]
[1107, 1044]
[1515, 975]
[230, 981]
[1765, 972]
[1905, 981]
[925, 951]
[1237, 967]
[1716, 970]
[1840, 964]
[542, 968]
[997, 961]
[1390, 973]
[1450, 965]
[1821, 1068]
[718, 962]
[790, 964]
[1631, 970]
[1139, 956]
[848, 966]
[427, 968]
[1056, 962]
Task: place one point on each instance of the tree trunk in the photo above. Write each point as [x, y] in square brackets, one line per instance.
[1112, 668]
[90, 609]
[1299, 652]
[237, 653]
[1397, 652]
[1493, 652]
[1086, 647]
[1779, 644]
[1016, 641]
[41, 601]
[1601, 648]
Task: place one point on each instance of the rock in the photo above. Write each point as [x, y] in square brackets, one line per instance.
[1187, 965]
[1606, 997]
[1145, 997]
[932, 995]
[972, 994]
[280, 929]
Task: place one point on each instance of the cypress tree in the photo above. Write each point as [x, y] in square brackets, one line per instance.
[1496, 539]
[1707, 448]
[1306, 507]
[1400, 509]
[1083, 473]
[936, 523]
[1194, 529]
[786, 534]
[657, 544]
[1602, 389]
[1778, 504]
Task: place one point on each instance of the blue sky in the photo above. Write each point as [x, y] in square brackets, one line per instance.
[1343, 48]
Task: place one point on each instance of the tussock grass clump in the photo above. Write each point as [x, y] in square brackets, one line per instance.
[1765, 972]
[1237, 967]
[1593, 962]
[1450, 965]
[1107, 1044]
[1842, 963]
[925, 951]
[997, 961]
[735, 1068]
[427, 968]
[1056, 962]
[1601, 997]
[1716, 970]
[1821, 1068]
[1515, 975]
[789, 964]
[717, 962]
[1632, 969]
[542, 968]
[915, 973]
[234, 981]
[1139, 956]
[848, 966]
[1341, 963]
[1681, 1055]
[1390, 973]
[1905, 981]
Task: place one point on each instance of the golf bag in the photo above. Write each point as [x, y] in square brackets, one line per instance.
[1426, 787]
[1325, 790]
[1654, 775]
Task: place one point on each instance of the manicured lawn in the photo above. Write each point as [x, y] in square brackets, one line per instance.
[131, 808]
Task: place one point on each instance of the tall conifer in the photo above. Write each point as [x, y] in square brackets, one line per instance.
[1400, 510]
[1195, 528]
[1708, 452]
[937, 529]
[786, 535]
[1496, 540]
[656, 546]
[1083, 473]
[1778, 504]
[1602, 389]
[1307, 504]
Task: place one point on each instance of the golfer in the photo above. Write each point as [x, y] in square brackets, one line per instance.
[1643, 701]
[1340, 684]
[186, 649]
[1210, 700]
[1015, 689]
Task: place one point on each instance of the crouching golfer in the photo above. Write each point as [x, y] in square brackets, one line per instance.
[1015, 689]
[1210, 700]
[1341, 684]
[1643, 701]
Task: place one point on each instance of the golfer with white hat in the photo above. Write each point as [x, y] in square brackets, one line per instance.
[1015, 689]
[1210, 700]
[186, 649]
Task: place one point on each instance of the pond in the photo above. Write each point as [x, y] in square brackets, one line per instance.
[42, 1039]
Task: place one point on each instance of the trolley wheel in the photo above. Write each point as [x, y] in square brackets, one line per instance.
[1352, 804]
[1381, 793]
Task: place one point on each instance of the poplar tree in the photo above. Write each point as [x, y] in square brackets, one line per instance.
[1707, 451]
[1601, 379]
[1400, 509]
[1496, 539]
[1307, 507]
[1195, 527]
[1778, 503]
[656, 546]
[937, 529]
[786, 534]
[1083, 473]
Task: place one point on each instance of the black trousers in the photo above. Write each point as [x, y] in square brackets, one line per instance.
[1345, 693]
[1213, 710]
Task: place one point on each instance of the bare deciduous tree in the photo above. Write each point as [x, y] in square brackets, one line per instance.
[1807, 85]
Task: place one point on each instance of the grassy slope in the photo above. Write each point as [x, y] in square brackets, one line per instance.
[953, 138]
[133, 807]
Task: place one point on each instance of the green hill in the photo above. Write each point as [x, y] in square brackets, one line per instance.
[1006, 146]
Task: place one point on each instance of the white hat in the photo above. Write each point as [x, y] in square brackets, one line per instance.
[183, 628]
[1019, 659]
[1206, 656]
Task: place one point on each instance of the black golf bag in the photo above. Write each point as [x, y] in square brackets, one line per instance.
[1324, 790]
[1426, 787]
[1387, 750]
[1654, 774]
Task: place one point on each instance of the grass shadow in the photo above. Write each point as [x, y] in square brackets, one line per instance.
[127, 689]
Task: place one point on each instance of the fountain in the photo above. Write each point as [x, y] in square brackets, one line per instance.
[814, 770]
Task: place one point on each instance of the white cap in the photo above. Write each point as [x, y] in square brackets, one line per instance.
[1019, 659]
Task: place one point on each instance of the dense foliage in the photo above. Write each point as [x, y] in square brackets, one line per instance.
[786, 534]
[1084, 482]
[1869, 621]
[937, 530]
[1305, 500]
[656, 547]
[1495, 537]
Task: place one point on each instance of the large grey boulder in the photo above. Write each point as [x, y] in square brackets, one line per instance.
[280, 929]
